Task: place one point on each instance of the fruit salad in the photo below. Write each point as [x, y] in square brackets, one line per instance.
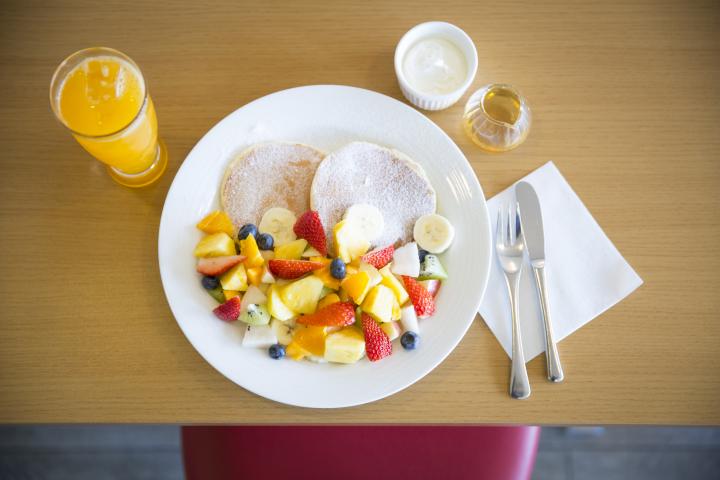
[299, 300]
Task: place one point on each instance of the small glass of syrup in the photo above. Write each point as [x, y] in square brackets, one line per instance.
[497, 118]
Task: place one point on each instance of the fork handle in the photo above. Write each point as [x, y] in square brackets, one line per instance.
[519, 382]
[554, 369]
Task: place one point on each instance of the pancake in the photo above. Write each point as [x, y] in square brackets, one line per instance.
[362, 172]
[268, 175]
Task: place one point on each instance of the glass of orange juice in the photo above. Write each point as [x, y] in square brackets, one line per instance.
[100, 95]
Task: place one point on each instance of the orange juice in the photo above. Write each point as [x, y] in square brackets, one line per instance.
[100, 95]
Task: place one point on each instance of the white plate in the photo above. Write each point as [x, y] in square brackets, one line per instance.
[327, 117]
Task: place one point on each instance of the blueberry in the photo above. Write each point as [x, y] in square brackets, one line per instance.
[209, 282]
[422, 253]
[247, 229]
[265, 241]
[410, 340]
[337, 268]
[276, 351]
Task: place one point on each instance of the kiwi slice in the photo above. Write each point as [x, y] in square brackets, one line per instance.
[432, 269]
[255, 315]
[217, 294]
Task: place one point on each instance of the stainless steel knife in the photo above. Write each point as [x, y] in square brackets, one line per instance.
[532, 228]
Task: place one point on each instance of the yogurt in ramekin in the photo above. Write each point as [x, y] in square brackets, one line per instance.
[435, 63]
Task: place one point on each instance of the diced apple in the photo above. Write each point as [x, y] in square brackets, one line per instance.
[259, 336]
[406, 260]
[283, 331]
[252, 296]
[408, 319]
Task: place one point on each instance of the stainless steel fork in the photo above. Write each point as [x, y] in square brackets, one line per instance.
[509, 247]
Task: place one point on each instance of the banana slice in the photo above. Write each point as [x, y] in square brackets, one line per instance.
[279, 223]
[283, 331]
[367, 218]
[433, 233]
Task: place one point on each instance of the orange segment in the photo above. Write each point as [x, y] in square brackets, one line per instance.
[310, 339]
[254, 275]
[324, 273]
[230, 294]
[249, 248]
[328, 300]
[215, 222]
[295, 351]
[357, 286]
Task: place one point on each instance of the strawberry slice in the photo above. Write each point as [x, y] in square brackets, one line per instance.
[339, 314]
[290, 269]
[421, 299]
[309, 226]
[377, 343]
[216, 265]
[379, 257]
[229, 311]
[432, 286]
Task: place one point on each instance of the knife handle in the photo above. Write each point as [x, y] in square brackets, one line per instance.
[554, 369]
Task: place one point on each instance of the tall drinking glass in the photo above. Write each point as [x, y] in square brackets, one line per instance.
[100, 95]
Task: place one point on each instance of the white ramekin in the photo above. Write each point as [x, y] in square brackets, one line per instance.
[451, 33]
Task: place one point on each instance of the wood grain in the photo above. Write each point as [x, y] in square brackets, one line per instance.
[625, 96]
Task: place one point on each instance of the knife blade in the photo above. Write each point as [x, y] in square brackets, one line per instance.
[532, 230]
[532, 222]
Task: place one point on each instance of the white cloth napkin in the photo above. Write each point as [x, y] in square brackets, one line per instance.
[586, 274]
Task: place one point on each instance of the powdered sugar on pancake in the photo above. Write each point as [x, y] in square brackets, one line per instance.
[268, 175]
[363, 172]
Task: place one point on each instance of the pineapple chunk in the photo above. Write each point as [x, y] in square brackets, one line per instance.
[349, 241]
[345, 346]
[373, 272]
[292, 250]
[235, 279]
[276, 307]
[396, 313]
[392, 282]
[216, 245]
[391, 329]
[328, 300]
[357, 286]
[249, 248]
[379, 303]
[302, 295]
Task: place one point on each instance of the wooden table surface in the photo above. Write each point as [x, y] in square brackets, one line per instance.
[625, 96]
